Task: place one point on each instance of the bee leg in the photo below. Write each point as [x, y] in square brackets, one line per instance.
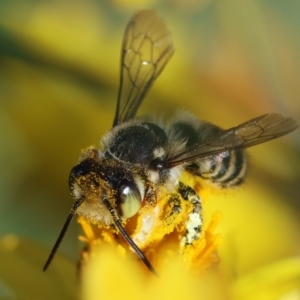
[194, 221]
[176, 208]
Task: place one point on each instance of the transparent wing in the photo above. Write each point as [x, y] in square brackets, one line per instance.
[146, 49]
[253, 132]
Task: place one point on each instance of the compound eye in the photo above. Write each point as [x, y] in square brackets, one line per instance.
[129, 199]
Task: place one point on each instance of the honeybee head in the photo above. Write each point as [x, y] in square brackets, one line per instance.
[100, 184]
[104, 193]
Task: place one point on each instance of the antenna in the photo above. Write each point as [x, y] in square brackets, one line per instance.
[63, 231]
[118, 225]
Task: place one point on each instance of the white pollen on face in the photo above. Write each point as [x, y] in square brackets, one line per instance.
[76, 192]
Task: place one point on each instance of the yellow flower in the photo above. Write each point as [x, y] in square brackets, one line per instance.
[108, 262]
[278, 280]
[110, 270]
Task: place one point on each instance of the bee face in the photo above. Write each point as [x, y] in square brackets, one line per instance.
[95, 181]
[140, 158]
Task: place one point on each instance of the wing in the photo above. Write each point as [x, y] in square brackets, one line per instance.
[146, 49]
[253, 132]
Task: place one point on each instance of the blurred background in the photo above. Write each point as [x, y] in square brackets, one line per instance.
[59, 76]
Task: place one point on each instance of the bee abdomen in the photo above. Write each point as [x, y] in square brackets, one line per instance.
[230, 170]
[227, 169]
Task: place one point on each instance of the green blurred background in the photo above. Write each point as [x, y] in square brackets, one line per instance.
[59, 75]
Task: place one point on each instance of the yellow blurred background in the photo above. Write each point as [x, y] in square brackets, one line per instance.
[59, 76]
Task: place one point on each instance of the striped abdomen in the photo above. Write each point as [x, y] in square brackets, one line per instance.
[226, 169]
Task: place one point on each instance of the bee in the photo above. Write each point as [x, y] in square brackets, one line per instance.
[141, 156]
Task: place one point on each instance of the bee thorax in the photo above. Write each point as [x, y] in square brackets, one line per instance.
[137, 143]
